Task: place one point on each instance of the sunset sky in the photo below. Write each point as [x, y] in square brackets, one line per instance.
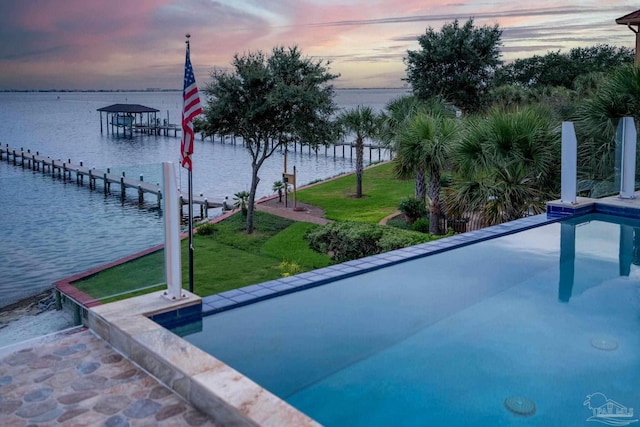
[124, 44]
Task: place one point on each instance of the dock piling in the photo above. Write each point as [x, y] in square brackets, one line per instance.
[64, 170]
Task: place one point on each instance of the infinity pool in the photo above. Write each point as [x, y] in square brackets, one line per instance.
[516, 330]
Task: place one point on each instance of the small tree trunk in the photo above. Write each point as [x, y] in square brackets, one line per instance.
[252, 197]
[359, 165]
[434, 203]
[421, 187]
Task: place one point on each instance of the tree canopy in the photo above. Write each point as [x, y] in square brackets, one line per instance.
[562, 69]
[270, 101]
[457, 63]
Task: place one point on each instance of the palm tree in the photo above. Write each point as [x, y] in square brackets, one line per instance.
[241, 198]
[396, 114]
[507, 165]
[422, 150]
[363, 123]
[400, 112]
[596, 122]
[279, 187]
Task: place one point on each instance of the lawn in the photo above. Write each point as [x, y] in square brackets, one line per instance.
[227, 259]
[382, 194]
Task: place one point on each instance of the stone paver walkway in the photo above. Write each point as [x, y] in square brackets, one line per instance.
[79, 380]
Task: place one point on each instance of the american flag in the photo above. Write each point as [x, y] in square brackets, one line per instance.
[191, 108]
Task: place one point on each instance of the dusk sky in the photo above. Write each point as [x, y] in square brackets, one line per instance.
[124, 44]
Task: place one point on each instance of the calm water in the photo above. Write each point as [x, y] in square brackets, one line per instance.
[444, 340]
[51, 230]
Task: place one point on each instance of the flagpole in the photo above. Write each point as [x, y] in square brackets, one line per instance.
[190, 109]
[190, 190]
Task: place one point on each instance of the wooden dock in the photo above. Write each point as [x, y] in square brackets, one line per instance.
[69, 171]
[294, 147]
[158, 129]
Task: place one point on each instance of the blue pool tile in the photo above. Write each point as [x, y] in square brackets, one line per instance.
[332, 273]
[352, 263]
[212, 299]
[223, 303]
[348, 269]
[270, 284]
[379, 260]
[323, 278]
[311, 275]
[212, 307]
[252, 288]
[231, 293]
[165, 318]
[562, 211]
[243, 298]
[364, 266]
[625, 211]
[395, 258]
[263, 292]
[282, 287]
[190, 311]
[299, 282]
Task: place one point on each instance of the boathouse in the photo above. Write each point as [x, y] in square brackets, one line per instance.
[129, 117]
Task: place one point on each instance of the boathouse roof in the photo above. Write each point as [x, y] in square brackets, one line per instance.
[128, 108]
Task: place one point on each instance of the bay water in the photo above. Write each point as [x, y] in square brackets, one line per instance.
[52, 229]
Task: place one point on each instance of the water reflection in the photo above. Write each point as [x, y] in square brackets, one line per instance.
[628, 255]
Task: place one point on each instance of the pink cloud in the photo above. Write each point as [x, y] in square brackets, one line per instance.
[143, 40]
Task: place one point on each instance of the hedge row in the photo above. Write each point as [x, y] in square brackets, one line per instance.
[345, 241]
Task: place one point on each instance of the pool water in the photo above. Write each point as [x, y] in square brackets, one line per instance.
[550, 315]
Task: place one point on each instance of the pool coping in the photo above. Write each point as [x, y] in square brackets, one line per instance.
[258, 292]
[133, 327]
[555, 211]
[216, 389]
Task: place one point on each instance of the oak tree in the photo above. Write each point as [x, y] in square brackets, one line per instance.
[270, 101]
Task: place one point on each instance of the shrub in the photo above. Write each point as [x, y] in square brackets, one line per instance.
[345, 240]
[351, 240]
[421, 225]
[289, 268]
[412, 208]
[206, 229]
[398, 239]
[399, 222]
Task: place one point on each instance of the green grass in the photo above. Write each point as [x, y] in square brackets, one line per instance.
[289, 245]
[382, 194]
[141, 273]
[228, 259]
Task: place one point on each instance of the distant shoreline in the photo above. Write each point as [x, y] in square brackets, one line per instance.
[154, 90]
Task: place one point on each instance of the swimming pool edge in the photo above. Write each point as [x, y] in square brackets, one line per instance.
[216, 389]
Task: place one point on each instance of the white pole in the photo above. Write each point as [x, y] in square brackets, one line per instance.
[629, 135]
[568, 186]
[172, 259]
